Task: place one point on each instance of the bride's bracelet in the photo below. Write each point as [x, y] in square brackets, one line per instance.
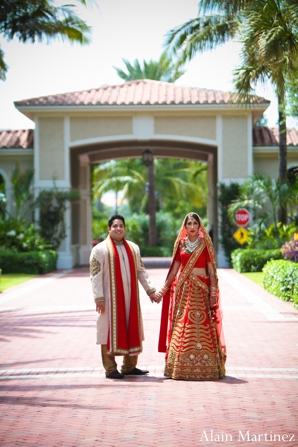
[164, 290]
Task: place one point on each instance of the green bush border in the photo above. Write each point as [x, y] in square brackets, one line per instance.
[158, 252]
[253, 260]
[281, 279]
[35, 262]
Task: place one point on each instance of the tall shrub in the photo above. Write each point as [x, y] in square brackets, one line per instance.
[281, 279]
[52, 205]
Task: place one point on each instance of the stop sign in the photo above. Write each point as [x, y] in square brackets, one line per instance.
[242, 217]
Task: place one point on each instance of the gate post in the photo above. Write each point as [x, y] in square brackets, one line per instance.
[85, 220]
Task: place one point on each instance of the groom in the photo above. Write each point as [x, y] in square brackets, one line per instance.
[115, 269]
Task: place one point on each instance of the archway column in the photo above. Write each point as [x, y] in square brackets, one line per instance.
[85, 223]
[211, 203]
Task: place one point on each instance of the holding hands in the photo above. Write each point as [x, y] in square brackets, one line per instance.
[155, 297]
[159, 295]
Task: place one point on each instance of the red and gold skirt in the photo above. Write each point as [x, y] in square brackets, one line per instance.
[194, 351]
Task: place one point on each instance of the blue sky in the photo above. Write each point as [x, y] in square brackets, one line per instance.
[121, 29]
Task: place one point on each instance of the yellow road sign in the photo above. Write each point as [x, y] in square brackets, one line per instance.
[241, 235]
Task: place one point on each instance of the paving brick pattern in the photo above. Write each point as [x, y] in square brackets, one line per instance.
[54, 392]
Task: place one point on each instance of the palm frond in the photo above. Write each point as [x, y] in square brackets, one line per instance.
[3, 66]
[32, 20]
[200, 34]
[227, 6]
[164, 69]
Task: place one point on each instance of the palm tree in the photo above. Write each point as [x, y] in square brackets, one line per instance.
[185, 179]
[33, 20]
[270, 52]
[174, 178]
[162, 70]
[121, 175]
[268, 32]
[292, 94]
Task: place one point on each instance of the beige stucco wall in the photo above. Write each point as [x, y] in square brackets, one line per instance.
[93, 127]
[234, 147]
[266, 165]
[191, 126]
[8, 162]
[292, 158]
[51, 148]
[266, 160]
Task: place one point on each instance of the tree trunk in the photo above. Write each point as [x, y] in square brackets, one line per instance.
[282, 157]
[116, 202]
[152, 206]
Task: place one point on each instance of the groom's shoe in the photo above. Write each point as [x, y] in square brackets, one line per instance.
[114, 375]
[136, 372]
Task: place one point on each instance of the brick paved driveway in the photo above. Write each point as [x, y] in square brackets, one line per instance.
[54, 392]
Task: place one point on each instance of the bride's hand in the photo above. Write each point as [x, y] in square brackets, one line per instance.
[158, 297]
[213, 300]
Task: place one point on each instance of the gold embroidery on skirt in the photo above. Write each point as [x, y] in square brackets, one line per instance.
[94, 266]
[194, 352]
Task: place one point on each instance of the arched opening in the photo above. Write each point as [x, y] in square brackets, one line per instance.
[83, 157]
[152, 199]
[292, 174]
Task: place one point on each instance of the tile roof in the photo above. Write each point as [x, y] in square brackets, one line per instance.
[269, 136]
[140, 92]
[16, 139]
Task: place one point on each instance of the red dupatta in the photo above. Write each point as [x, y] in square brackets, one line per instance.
[122, 339]
[169, 297]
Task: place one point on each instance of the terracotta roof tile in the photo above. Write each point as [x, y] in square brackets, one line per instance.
[16, 139]
[269, 136]
[144, 91]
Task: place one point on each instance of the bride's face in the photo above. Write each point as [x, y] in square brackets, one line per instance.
[192, 228]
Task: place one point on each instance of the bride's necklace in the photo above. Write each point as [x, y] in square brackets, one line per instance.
[191, 246]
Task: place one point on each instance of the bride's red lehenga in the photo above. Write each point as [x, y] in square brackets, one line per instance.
[191, 331]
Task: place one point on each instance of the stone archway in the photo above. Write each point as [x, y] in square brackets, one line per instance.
[82, 157]
[74, 130]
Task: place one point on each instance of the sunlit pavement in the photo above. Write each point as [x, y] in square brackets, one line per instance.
[54, 391]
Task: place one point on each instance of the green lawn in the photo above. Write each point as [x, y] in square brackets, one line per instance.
[256, 277]
[13, 279]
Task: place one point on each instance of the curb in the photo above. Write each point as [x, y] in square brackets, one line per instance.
[157, 263]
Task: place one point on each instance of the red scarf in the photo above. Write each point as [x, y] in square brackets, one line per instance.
[121, 339]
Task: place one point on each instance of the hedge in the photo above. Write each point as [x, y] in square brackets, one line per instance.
[34, 262]
[281, 279]
[158, 252]
[252, 260]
